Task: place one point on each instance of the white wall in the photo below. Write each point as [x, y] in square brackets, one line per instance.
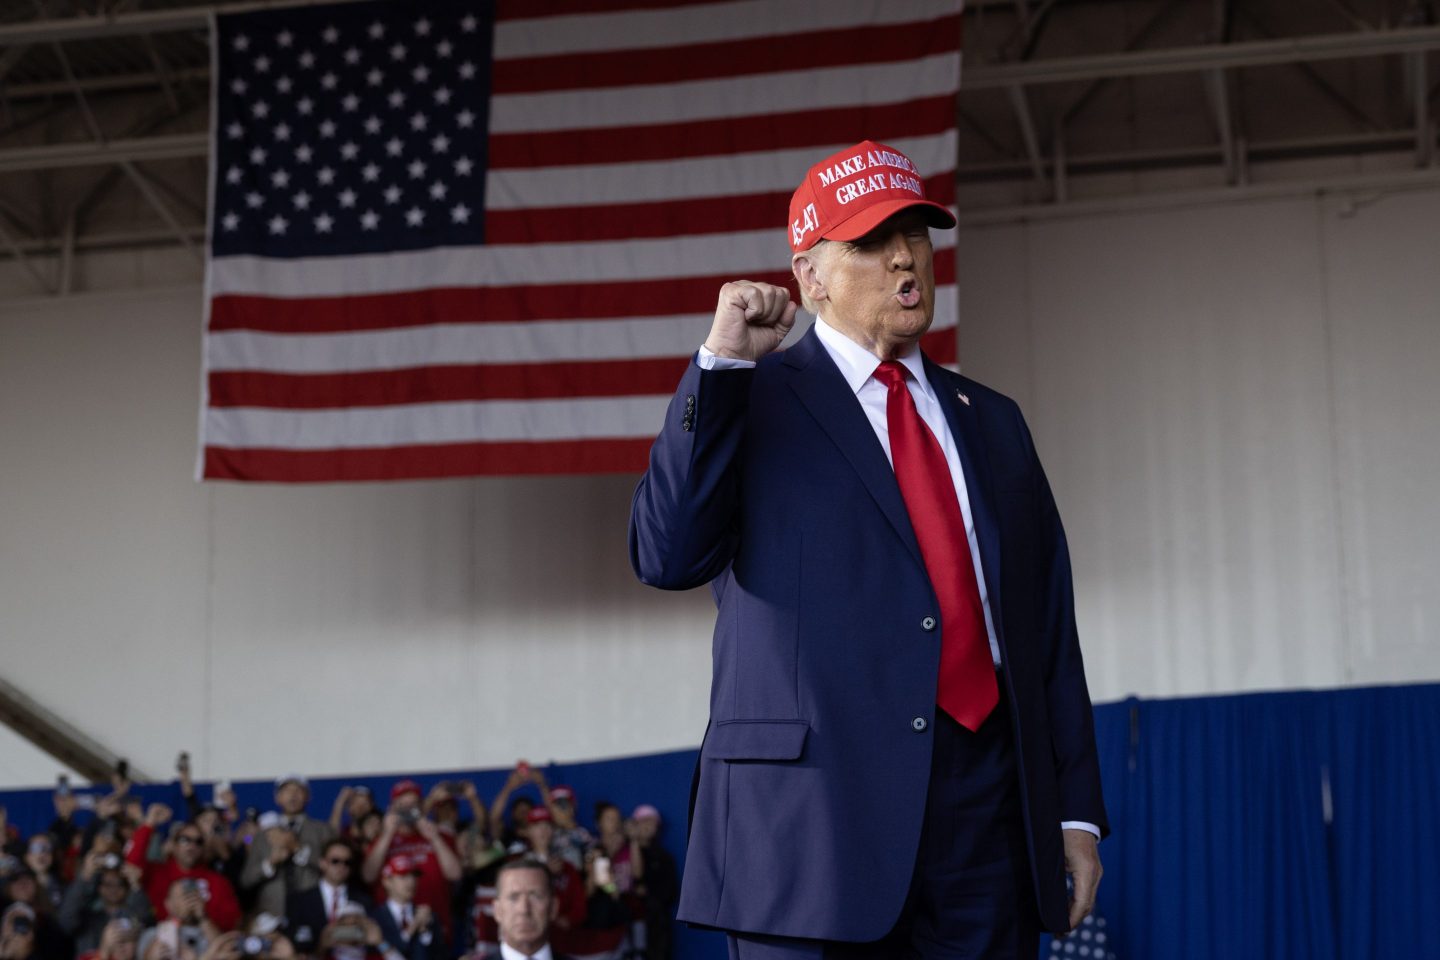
[1236, 405]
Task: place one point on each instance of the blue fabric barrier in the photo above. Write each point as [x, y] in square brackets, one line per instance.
[1300, 825]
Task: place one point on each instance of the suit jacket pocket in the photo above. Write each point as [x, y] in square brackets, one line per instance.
[757, 739]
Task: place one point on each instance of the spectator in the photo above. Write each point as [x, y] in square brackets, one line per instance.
[525, 909]
[99, 895]
[572, 841]
[620, 846]
[565, 880]
[353, 935]
[17, 932]
[659, 888]
[159, 879]
[185, 930]
[40, 858]
[10, 840]
[406, 832]
[119, 940]
[368, 828]
[280, 861]
[309, 912]
[356, 803]
[508, 817]
[410, 929]
[20, 888]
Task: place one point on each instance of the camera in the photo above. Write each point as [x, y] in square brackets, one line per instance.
[410, 816]
[253, 946]
[22, 925]
[110, 862]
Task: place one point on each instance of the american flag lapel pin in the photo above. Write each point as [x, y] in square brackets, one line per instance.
[963, 399]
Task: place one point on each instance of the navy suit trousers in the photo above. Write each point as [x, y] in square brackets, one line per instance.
[971, 897]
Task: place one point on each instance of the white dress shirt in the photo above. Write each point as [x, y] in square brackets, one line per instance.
[508, 952]
[857, 365]
[333, 898]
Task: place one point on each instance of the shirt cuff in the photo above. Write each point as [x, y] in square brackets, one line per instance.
[267, 869]
[1080, 825]
[709, 360]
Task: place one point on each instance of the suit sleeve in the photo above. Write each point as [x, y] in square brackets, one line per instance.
[1072, 718]
[252, 875]
[683, 516]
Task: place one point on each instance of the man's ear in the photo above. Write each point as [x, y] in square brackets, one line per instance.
[804, 266]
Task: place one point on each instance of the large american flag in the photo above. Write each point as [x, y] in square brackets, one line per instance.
[470, 238]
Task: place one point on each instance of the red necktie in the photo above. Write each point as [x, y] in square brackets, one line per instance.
[967, 689]
[334, 903]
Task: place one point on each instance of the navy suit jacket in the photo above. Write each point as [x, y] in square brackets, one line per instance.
[771, 485]
[413, 949]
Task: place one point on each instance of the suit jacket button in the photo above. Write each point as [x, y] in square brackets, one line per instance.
[927, 624]
[919, 724]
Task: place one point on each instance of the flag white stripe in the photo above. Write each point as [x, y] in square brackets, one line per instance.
[718, 254]
[641, 29]
[738, 174]
[783, 92]
[484, 420]
[537, 341]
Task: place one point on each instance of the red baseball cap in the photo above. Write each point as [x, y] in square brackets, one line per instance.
[848, 194]
[399, 864]
[403, 787]
[562, 792]
[539, 815]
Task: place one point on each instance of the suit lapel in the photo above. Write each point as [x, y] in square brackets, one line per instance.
[820, 386]
[964, 422]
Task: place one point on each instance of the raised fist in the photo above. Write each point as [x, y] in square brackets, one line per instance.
[750, 320]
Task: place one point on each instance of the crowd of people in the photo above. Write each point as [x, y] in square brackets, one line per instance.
[409, 876]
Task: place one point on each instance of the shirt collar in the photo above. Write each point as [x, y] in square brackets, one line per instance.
[857, 364]
[508, 952]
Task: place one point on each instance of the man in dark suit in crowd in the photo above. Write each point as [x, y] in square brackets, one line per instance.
[525, 907]
[408, 929]
[309, 912]
[901, 758]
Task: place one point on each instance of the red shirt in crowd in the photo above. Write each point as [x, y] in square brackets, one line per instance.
[431, 887]
[220, 904]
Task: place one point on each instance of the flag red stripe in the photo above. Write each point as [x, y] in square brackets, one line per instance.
[701, 138]
[727, 58]
[446, 384]
[462, 383]
[665, 218]
[577, 301]
[427, 461]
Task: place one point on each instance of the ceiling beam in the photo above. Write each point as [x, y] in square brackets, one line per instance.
[1255, 53]
[166, 147]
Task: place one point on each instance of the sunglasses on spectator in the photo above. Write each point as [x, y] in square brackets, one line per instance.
[339, 861]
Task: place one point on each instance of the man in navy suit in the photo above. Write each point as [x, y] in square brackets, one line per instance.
[900, 759]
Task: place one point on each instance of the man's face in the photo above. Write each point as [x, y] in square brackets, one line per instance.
[646, 828]
[400, 887]
[563, 809]
[112, 887]
[540, 834]
[337, 865]
[880, 289]
[406, 801]
[188, 846]
[524, 907]
[290, 798]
